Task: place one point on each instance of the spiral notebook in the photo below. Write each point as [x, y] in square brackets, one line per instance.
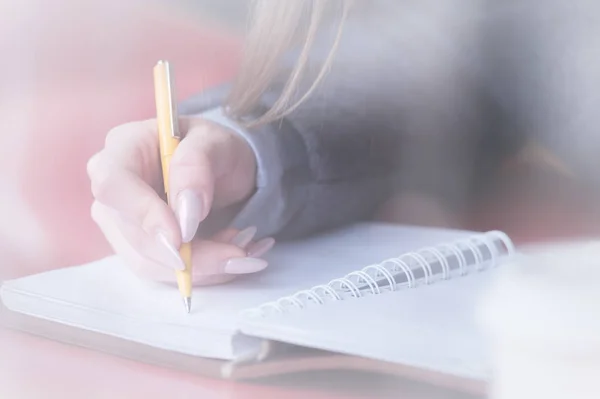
[400, 295]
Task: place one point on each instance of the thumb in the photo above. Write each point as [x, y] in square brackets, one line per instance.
[206, 155]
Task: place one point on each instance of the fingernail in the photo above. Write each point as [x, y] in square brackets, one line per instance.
[189, 211]
[261, 247]
[169, 253]
[244, 265]
[244, 237]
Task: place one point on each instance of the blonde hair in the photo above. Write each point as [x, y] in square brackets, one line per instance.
[277, 26]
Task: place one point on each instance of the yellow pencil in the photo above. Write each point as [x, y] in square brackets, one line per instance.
[169, 137]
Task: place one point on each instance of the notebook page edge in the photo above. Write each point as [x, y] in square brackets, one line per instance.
[23, 302]
[88, 340]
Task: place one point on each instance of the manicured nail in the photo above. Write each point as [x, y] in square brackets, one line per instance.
[244, 237]
[189, 210]
[244, 265]
[261, 247]
[169, 254]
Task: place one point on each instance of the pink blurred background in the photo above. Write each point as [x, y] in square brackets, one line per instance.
[71, 71]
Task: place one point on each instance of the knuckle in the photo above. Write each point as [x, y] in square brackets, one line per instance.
[127, 130]
[115, 134]
[99, 185]
[94, 164]
[101, 172]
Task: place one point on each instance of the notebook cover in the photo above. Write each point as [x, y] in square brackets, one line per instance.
[270, 360]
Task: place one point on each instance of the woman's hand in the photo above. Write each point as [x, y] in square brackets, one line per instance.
[212, 170]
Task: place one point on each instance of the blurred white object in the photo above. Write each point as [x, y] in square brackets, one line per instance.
[542, 316]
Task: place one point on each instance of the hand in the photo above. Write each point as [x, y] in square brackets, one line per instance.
[212, 170]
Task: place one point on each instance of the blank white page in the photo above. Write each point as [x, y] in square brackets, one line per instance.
[429, 327]
[105, 297]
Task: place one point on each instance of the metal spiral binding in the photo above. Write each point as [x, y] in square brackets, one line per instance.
[473, 254]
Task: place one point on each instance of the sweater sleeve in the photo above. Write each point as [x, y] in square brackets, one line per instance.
[309, 179]
[396, 112]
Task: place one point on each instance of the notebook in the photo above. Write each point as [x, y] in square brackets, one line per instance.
[381, 294]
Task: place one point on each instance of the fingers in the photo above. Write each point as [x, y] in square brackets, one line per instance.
[134, 146]
[259, 248]
[214, 262]
[135, 245]
[211, 258]
[211, 166]
[253, 249]
[135, 201]
[207, 154]
[124, 177]
[226, 254]
[191, 183]
[225, 235]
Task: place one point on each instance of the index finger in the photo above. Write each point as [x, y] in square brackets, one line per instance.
[126, 176]
[134, 147]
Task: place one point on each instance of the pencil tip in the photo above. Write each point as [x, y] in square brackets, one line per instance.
[188, 304]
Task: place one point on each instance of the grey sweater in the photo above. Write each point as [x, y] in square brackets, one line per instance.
[423, 96]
